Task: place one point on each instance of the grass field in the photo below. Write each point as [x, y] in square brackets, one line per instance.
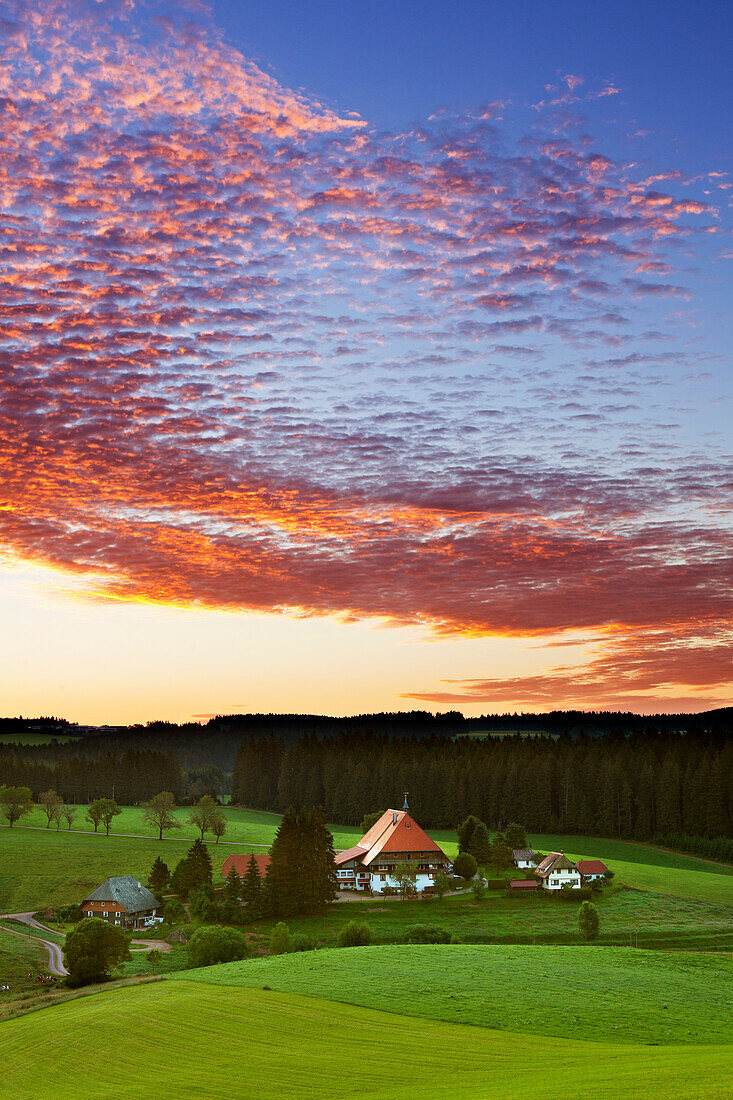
[18, 956]
[40, 866]
[628, 917]
[37, 738]
[573, 992]
[191, 1039]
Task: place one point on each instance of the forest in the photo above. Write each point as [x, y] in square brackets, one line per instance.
[641, 786]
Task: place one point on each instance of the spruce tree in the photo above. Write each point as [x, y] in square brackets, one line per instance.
[282, 873]
[252, 889]
[465, 833]
[159, 877]
[232, 894]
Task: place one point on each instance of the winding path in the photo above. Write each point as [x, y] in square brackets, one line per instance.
[55, 951]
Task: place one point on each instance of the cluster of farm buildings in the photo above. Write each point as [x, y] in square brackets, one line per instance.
[368, 866]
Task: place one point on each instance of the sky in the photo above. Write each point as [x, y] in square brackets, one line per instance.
[364, 357]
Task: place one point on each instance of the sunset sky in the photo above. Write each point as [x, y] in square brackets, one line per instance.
[364, 356]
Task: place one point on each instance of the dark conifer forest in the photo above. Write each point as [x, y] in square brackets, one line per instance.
[665, 777]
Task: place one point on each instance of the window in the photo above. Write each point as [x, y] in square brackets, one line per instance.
[382, 878]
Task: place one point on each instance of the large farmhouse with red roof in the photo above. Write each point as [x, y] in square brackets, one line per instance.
[394, 838]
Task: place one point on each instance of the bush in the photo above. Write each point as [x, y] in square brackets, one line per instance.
[212, 944]
[574, 895]
[497, 883]
[68, 914]
[426, 933]
[355, 934]
[174, 913]
[302, 943]
[465, 865]
[478, 888]
[280, 939]
[589, 922]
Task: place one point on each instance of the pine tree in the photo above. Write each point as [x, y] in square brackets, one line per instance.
[465, 833]
[232, 893]
[252, 889]
[193, 871]
[159, 877]
[283, 872]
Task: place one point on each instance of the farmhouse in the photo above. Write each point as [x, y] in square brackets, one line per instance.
[394, 838]
[239, 861]
[123, 901]
[556, 871]
[524, 859]
[591, 869]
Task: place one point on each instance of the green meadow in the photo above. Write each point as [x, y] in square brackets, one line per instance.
[40, 866]
[19, 956]
[573, 992]
[198, 1039]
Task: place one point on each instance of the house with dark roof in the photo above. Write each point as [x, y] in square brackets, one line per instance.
[394, 838]
[591, 869]
[123, 901]
[524, 859]
[556, 871]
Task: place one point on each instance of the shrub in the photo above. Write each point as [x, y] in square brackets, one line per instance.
[212, 944]
[69, 914]
[589, 922]
[465, 865]
[426, 933]
[355, 934]
[478, 888]
[496, 883]
[280, 939]
[302, 943]
[574, 895]
[173, 912]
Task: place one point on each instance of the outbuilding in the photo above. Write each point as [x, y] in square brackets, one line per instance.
[591, 869]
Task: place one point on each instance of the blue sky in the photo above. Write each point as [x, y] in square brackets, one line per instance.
[385, 347]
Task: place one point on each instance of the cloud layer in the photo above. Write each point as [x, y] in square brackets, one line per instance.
[254, 354]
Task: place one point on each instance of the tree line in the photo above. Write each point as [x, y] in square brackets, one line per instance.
[640, 786]
[128, 778]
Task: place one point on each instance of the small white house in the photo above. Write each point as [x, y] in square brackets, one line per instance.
[592, 869]
[556, 871]
[524, 859]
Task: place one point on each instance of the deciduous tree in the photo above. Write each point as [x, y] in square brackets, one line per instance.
[51, 803]
[93, 950]
[15, 802]
[159, 812]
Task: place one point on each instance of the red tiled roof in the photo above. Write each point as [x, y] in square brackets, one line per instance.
[524, 884]
[239, 861]
[350, 853]
[395, 831]
[591, 867]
